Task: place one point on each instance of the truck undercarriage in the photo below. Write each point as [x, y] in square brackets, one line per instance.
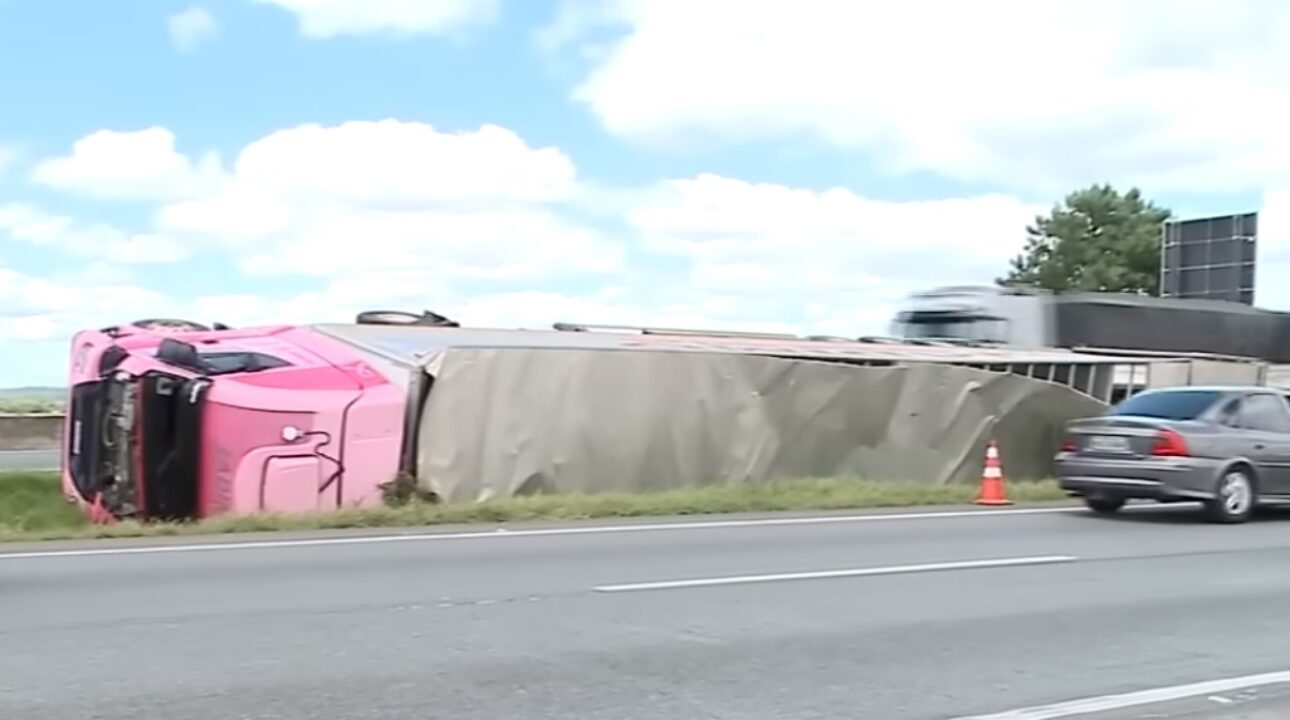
[134, 444]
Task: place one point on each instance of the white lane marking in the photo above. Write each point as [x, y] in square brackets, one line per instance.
[541, 532]
[1107, 703]
[824, 574]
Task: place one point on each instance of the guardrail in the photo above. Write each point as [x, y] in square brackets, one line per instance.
[31, 432]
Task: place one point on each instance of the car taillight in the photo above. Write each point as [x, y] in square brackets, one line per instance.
[1069, 445]
[1169, 444]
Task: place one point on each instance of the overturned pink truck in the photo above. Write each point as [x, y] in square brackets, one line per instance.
[171, 420]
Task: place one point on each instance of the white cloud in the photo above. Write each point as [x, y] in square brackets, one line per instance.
[341, 301]
[401, 215]
[42, 309]
[746, 256]
[398, 163]
[190, 28]
[245, 309]
[32, 226]
[1273, 261]
[397, 197]
[141, 165]
[671, 307]
[330, 18]
[1183, 95]
[489, 229]
[497, 245]
[393, 214]
[575, 22]
[716, 252]
[841, 260]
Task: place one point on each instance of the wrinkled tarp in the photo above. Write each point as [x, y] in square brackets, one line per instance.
[511, 421]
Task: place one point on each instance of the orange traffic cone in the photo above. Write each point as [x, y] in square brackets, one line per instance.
[992, 492]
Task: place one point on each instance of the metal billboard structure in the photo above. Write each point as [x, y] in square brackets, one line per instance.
[1210, 258]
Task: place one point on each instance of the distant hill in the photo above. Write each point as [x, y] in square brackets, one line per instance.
[32, 399]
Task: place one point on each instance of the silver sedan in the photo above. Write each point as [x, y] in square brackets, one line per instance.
[1226, 447]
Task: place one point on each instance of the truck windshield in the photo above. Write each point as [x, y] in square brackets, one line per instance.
[940, 325]
[215, 362]
[222, 363]
[1168, 405]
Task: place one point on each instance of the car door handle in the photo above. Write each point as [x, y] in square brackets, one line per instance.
[1258, 446]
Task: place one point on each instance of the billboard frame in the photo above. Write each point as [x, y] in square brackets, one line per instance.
[1236, 230]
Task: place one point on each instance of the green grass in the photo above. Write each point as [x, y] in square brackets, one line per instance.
[31, 502]
[32, 507]
[29, 400]
[30, 407]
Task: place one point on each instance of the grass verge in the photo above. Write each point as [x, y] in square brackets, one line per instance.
[32, 507]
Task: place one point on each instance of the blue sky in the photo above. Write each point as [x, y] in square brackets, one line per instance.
[794, 165]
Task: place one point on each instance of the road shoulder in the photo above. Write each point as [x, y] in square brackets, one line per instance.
[551, 526]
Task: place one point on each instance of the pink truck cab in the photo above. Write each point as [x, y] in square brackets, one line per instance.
[169, 420]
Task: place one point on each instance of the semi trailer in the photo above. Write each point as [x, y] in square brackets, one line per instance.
[174, 420]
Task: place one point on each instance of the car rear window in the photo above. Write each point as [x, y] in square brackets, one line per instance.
[1173, 405]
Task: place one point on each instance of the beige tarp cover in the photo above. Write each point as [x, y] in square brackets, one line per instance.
[511, 421]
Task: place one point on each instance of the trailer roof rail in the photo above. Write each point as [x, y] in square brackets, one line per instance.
[1166, 354]
[969, 342]
[645, 330]
[931, 342]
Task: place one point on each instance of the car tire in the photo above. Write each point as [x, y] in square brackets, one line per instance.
[1104, 504]
[1235, 497]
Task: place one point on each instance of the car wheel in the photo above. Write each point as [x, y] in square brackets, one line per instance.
[1104, 504]
[1234, 499]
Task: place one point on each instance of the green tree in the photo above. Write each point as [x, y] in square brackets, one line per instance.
[1096, 240]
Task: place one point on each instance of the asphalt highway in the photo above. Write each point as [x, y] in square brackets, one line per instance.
[28, 460]
[914, 616]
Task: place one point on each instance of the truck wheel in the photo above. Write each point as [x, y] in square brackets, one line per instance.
[387, 317]
[169, 324]
[1104, 504]
[1234, 499]
[398, 317]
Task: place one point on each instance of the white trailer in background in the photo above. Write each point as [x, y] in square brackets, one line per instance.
[1176, 342]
